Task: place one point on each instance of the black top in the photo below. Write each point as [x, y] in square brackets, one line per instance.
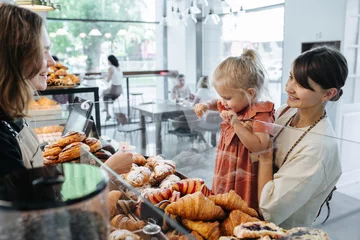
[10, 153]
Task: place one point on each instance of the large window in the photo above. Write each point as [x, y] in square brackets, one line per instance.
[85, 32]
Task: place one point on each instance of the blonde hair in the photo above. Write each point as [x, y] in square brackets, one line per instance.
[241, 73]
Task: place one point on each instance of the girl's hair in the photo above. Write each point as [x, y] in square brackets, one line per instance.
[324, 65]
[21, 58]
[241, 73]
[113, 60]
[203, 82]
[180, 76]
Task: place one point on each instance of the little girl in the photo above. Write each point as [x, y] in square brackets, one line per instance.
[239, 82]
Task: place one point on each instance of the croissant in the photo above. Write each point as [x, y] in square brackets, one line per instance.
[209, 230]
[138, 176]
[188, 186]
[170, 221]
[125, 206]
[163, 204]
[205, 190]
[196, 207]
[175, 196]
[139, 159]
[232, 201]
[123, 234]
[123, 222]
[157, 196]
[162, 170]
[169, 181]
[114, 196]
[235, 218]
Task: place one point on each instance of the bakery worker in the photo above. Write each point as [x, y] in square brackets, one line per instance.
[24, 62]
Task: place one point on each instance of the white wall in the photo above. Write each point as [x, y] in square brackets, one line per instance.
[311, 21]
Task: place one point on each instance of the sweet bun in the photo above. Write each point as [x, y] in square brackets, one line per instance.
[72, 151]
[94, 144]
[45, 101]
[71, 137]
[61, 66]
[52, 150]
[103, 155]
[50, 160]
[61, 72]
[139, 159]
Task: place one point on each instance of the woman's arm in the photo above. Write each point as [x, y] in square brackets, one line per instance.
[265, 171]
[110, 73]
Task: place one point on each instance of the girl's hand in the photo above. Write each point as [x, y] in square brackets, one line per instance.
[120, 162]
[200, 108]
[229, 116]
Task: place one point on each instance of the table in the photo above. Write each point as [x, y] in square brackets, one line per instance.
[78, 89]
[158, 111]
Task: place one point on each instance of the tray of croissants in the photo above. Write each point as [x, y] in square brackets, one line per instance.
[58, 77]
[174, 202]
[68, 148]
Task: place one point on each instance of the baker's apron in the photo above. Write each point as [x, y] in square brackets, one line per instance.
[29, 145]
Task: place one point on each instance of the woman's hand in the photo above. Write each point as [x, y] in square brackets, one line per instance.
[200, 108]
[120, 162]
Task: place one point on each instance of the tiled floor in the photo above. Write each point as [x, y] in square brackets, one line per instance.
[197, 160]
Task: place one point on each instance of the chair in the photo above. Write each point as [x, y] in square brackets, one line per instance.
[124, 126]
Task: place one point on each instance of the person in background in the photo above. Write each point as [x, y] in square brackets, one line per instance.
[306, 149]
[204, 92]
[181, 91]
[115, 77]
[239, 82]
[60, 98]
[24, 62]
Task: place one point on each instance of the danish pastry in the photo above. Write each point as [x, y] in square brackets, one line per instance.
[94, 144]
[258, 230]
[71, 137]
[61, 72]
[72, 151]
[103, 155]
[52, 150]
[50, 160]
[139, 159]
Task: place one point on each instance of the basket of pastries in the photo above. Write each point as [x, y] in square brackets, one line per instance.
[58, 76]
[44, 107]
[49, 134]
[68, 149]
[190, 203]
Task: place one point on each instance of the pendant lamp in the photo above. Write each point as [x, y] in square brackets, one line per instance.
[37, 5]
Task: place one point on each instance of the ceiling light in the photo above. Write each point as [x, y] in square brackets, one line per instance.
[61, 32]
[95, 32]
[122, 32]
[37, 5]
[107, 35]
[193, 8]
[82, 35]
[212, 17]
[190, 16]
[164, 21]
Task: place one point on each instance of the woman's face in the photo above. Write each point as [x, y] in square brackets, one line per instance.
[181, 82]
[300, 97]
[39, 81]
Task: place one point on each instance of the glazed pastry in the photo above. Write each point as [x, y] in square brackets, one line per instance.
[196, 207]
[175, 196]
[232, 201]
[61, 72]
[163, 204]
[188, 186]
[138, 176]
[71, 137]
[163, 169]
[169, 181]
[126, 206]
[113, 197]
[209, 230]
[61, 66]
[123, 234]
[139, 159]
[72, 151]
[46, 101]
[158, 196]
[205, 190]
[236, 217]
[94, 144]
[50, 160]
[52, 150]
[306, 233]
[123, 222]
[103, 155]
[258, 230]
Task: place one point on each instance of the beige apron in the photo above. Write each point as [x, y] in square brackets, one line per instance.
[29, 145]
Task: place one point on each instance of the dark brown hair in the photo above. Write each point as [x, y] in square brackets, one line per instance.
[324, 65]
[21, 58]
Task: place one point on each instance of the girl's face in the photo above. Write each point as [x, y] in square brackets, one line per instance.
[300, 97]
[39, 81]
[231, 99]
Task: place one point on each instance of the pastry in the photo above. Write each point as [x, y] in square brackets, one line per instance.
[71, 137]
[209, 230]
[163, 204]
[258, 230]
[175, 196]
[188, 186]
[33, 105]
[72, 151]
[196, 207]
[52, 150]
[236, 217]
[205, 190]
[46, 101]
[123, 234]
[306, 233]
[113, 197]
[157, 196]
[138, 176]
[123, 222]
[103, 155]
[232, 201]
[50, 160]
[139, 159]
[61, 66]
[94, 144]
[126, 206]
[61, 72]
[169, 181]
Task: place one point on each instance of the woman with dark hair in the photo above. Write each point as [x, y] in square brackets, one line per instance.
[305, 151]
[115, 77]
[24, 63]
